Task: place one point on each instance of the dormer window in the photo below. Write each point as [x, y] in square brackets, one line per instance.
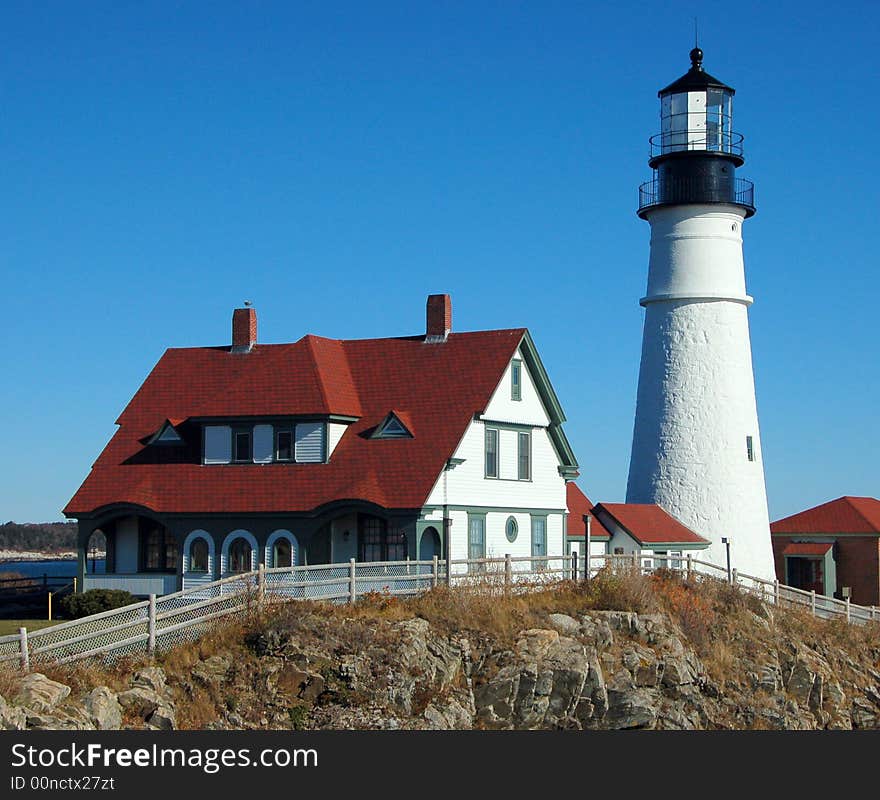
[284, 444]
[241, 445]
[265, 443]
[392, 427]
[167, 434]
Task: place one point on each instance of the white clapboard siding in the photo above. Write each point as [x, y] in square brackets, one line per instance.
[310, 441]
[335, 431]
[218, 444]
[466, 485]
[508, 454]
[263, 444]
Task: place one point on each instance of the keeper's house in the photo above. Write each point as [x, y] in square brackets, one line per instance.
[833, 549]
[324, 450]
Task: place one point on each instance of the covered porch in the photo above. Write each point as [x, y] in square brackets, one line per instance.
[147, 553]
[141, 555]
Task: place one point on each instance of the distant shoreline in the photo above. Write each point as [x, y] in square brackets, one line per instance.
[36, 555]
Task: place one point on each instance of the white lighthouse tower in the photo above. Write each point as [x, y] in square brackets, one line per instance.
[696, 447]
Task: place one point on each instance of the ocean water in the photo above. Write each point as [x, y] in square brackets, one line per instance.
[57, 568]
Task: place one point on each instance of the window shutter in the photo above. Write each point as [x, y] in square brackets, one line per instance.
[218, 444]
[310, 442]
[263, 444]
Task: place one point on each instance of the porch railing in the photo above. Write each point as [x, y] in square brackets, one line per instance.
[164, 621]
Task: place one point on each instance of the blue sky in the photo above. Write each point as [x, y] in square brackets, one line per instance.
[336, 163]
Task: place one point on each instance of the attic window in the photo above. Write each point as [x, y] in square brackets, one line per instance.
[516, 380]
[167, 434]
[392, 428]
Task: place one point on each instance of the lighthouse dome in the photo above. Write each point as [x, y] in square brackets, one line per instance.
[695, 78]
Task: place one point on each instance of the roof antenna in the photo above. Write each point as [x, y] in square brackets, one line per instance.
[696, 34]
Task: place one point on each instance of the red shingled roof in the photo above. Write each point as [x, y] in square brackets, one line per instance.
[355, 378]
[807, 548]
[844, 515]
[650, 524]
[578, 505]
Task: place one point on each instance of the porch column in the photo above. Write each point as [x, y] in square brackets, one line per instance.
[84, 533]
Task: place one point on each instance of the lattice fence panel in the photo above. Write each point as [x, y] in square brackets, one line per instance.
[101, 631]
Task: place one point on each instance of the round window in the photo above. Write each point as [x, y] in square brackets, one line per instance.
[511, 529]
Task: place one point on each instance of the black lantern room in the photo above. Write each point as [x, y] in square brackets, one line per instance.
[696, 153]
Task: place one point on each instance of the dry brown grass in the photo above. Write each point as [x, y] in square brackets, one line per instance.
[199, 708]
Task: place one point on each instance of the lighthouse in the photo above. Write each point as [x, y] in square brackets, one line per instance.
[696, 446]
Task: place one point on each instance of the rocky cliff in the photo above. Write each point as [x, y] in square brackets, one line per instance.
[543, 661]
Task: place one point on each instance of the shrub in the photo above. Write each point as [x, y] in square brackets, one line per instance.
[622, 589]
[16, 583]
[690, 604]
[94, 601]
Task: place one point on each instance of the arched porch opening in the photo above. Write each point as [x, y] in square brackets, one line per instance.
[239, 553]
[98, 553]
[198, 558]
[282, 549]
[429, 544]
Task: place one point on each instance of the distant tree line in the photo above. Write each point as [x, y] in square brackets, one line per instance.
[42, 536]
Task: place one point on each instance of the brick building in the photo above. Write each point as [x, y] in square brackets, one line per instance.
[833, 548]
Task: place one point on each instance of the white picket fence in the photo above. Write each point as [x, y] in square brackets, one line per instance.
[167, 620]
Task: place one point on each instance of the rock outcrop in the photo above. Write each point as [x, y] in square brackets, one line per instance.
[596, 670]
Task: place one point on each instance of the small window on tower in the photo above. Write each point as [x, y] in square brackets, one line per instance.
[750, 448]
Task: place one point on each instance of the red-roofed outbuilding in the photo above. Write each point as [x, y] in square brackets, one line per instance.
[847, 531]
[646, 530]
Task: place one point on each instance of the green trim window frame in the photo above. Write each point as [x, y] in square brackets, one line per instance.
[242, 445]
[491, 461]
[516, 379]
[159, 550]
[524, 456]
[511, 529]
[539, 540]
[750, 448]
[476, 540]
[379, 541]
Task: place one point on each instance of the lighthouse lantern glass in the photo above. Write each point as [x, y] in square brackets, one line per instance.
[699, 120]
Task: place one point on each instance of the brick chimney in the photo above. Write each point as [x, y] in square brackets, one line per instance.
[244, 329]
[439, 317]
